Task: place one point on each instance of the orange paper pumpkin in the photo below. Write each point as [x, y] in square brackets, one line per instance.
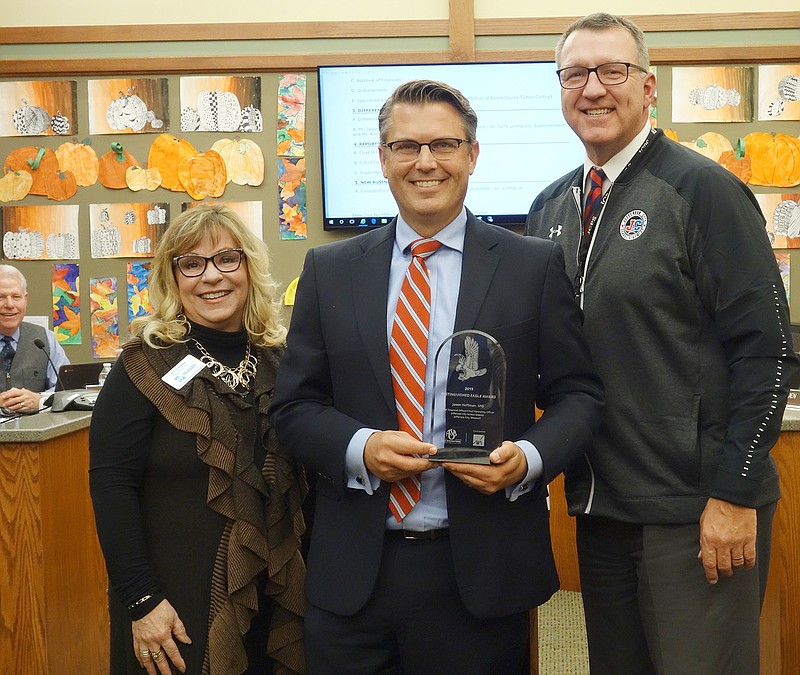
[113, 165]
[737, 162]
[39, 162]
[15, 185]
[710, 144]
[81, 159]
[138, 178]
[244, 160]
[775, 159]
[61, 185]
[166, 153]
[203, 175]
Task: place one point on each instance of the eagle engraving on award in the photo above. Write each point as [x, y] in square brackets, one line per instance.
[474, 397]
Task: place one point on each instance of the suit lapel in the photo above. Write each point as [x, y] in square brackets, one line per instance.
[370, 275]
[477, 271]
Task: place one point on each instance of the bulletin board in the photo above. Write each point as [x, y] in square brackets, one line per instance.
[107, 235]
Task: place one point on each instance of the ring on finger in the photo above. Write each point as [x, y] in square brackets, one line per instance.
[156, 655]
[145, 652]
[738, 558]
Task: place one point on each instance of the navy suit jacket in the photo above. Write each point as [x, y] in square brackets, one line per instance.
[335, 379]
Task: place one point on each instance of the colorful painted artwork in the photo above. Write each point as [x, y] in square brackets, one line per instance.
[67, 303]
[128, 106]
[292, 197]
[221, 103]
[779, 92]
[104, 318]
[40, 232]
[249, 212]
[712, 94]
[127, 230]
[38, 108]
[291, 115]
[784, 265]
[138, 293]
[782, 213]
[291, 157]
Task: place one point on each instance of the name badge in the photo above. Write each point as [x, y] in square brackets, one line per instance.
[188, 367]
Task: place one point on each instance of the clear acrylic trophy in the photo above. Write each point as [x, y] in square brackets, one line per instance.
[474, 398]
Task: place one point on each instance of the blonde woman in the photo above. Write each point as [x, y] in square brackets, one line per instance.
[198, 510]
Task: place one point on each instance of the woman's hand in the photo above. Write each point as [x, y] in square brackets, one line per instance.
[153, 642]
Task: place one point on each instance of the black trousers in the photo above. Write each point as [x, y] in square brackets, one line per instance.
[649, 608]
[415, 623]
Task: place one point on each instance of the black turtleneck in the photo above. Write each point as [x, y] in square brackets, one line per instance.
[227, 347]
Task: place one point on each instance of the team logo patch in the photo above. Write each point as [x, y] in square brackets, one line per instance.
[633, 225]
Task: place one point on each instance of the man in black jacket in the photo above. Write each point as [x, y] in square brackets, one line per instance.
[688, 324]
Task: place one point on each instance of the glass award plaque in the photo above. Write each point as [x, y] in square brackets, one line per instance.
[474, 398]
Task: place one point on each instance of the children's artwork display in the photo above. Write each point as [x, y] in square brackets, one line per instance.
[779, 92]
[38, 108]
[291, 157]
[138, 293]
[104, 318]
[782, 213]
[221, 103]
[67, 303]
[40, 232]
[128, 106]
[126, 230]
[712, 94]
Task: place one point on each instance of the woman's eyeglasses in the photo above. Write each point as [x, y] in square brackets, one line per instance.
[193, 265]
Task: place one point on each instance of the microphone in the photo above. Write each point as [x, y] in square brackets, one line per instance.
[75, 399]
[40, 344]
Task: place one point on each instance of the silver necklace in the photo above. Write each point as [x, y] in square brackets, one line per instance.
[233, 377]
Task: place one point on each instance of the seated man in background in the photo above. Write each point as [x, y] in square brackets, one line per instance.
[26, 368]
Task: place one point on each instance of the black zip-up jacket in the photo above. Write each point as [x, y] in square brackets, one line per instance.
[687, 319]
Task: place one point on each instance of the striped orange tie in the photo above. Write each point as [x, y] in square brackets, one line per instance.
[407, 357]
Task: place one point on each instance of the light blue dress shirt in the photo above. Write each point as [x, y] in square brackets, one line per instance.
[444, 267]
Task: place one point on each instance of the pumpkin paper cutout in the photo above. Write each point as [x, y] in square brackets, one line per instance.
[113, 165]
[81, 159]
[737, 162]
[30, 120]
[203, 175]
[139, 178]
[60, 185]
[244, 160]
[39, 162]
[165, 154]
[775, 159]
[15, 185]
[710, 144]
[25, 244]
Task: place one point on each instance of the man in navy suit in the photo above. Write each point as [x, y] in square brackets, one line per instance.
[447, 588]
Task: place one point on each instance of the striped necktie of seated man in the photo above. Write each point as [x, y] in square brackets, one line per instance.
[8, 352]
[408, 352]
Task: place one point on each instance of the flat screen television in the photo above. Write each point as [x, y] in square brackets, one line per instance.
[524, 142]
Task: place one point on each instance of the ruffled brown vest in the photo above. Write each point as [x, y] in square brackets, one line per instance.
[263, 509]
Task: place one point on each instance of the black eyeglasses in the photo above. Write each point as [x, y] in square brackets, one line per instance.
[616, 72]
[441, 148]
[193, 265]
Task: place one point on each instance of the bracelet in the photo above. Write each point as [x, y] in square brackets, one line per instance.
[139, 602]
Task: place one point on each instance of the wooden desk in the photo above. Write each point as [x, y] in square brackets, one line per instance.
[780, 615]
[53, 605]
